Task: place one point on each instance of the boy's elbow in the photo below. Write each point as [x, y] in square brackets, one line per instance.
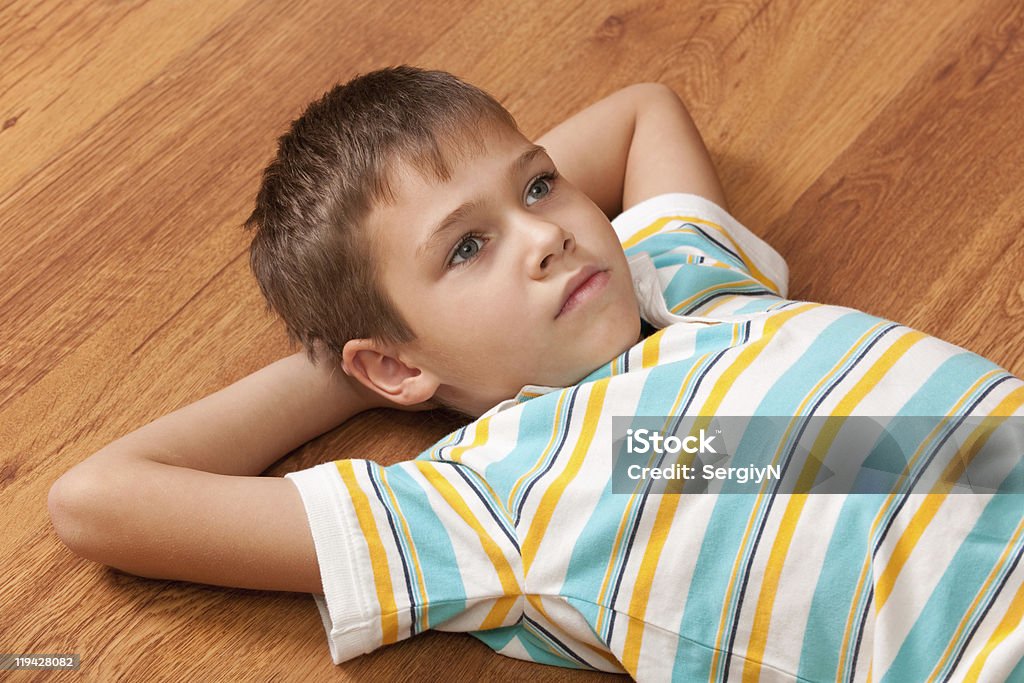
[75, 503]
[653, 89]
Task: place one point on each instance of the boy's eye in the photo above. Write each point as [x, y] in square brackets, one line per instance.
[543, 183]
[466, 250]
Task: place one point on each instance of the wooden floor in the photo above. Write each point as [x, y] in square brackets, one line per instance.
[879, 146]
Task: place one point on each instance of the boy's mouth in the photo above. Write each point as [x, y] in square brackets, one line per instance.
[582, 286]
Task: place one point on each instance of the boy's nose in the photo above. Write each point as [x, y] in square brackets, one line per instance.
[550, 243]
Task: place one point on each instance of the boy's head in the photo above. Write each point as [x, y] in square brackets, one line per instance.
[342, 250]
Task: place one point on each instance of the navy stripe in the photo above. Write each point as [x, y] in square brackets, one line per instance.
[486, 500]
[394, 532]
[728, 292]
[460, 434]
[739, 261]
[553, 457]
[560, 644]
[988, 606]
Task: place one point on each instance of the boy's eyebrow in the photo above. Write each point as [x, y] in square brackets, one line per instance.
[459, 214]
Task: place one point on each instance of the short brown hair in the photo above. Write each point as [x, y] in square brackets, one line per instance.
[311, 254]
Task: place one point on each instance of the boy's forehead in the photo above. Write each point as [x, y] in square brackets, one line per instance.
[441, 166]
[417, 189]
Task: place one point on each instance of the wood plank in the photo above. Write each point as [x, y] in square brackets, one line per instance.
[52, 94]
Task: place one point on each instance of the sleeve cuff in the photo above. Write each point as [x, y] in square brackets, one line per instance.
[767, 260]
[329, 511]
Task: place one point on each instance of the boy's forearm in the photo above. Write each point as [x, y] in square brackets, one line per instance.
[247, 426]
[591, 147]
[635, 143]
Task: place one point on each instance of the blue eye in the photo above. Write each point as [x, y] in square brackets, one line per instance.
[547, 179]
[460, 249]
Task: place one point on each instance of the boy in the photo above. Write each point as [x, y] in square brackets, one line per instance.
[408, 233]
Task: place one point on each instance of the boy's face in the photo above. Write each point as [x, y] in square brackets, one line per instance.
[485, 297]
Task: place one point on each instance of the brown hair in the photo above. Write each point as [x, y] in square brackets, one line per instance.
[311, 254]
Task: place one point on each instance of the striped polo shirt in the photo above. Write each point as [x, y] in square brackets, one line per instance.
[509, 528]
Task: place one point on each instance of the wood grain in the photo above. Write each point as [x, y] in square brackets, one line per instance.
[876, 145]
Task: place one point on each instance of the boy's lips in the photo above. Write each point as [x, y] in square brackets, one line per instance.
[571, 294]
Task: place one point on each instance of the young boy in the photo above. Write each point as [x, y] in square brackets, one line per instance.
[411, 236]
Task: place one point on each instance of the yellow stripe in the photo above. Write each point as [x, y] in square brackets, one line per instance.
[412, 548]
[378, 557]
[749, 530]
[651, 349]
[666, 510]
[480, 438]
[930, 507]
[546, 508]
[506, 575]
[794, 508]
[1009, 623]
[933, 501]
[761, 277]
[643, 234]
[751, 520]
[721, 301]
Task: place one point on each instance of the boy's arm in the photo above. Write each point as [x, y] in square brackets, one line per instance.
[634, 144]
[177, 499]
[245, 427]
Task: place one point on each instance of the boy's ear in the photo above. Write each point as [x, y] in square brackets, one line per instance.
[379, 369]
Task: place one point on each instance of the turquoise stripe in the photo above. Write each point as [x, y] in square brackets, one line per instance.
[906, 436]
[957, 588]
[595, 547]
[536, 424]
[398, 532]
[885, 515]
[836, 587]
[708, 590]
[556, 443]
[538, 437]
[1017, 675]
[446, 594]
[497, 638]
[688, 281]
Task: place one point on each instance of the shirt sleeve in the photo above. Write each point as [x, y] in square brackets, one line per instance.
[677, 229]
[401, 549]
